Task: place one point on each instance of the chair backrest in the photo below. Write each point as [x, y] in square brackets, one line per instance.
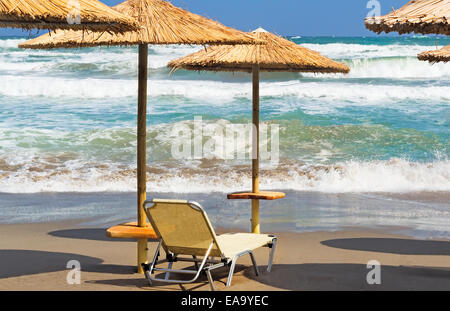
[183, 227]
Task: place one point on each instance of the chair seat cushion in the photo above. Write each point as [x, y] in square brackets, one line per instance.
[232, 244]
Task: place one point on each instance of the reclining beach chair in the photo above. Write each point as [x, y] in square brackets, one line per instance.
[185, 232]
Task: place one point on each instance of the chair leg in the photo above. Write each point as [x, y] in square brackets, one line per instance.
[168, 273]
[195, 273]
[148, 273]
[147, 276]
[230, 274]
[272, 253]
[210, 280]
[255, 266]
[195, 262]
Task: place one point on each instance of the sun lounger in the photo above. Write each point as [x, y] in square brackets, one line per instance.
[185, 233]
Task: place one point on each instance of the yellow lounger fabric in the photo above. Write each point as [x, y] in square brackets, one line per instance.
[232, 244]
[186, 230]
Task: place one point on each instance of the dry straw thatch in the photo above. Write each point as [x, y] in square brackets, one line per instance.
[53, 14]
[277, 54]
[436, 56]
[419, 16]
[160, 23]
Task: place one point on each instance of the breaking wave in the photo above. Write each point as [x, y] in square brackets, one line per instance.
[394, 176]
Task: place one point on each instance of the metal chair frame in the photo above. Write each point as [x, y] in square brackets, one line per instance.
[207, 264]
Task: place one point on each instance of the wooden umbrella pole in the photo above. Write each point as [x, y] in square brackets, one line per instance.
[255, 150]
[141, 151]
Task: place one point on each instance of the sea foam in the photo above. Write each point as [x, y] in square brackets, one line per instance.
[394, 176]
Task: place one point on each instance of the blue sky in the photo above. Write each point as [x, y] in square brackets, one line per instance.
[285, 17]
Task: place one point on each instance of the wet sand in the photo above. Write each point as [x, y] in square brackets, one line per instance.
[34, 257]
[421, 214]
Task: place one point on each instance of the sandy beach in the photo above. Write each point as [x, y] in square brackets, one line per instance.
[34, 257]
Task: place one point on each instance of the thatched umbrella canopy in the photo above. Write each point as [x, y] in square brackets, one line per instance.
[63, 14]
[436, 56]
[419, 16]
[277, 54]
[160, 23]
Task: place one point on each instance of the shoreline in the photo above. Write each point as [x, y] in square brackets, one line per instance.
[34, 256]
[421, 215]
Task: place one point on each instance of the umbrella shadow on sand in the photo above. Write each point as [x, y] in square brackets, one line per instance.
[14, 263]
[338, 277]
[343, 276]
[392, 246]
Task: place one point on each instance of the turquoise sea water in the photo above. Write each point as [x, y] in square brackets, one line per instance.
[68, 119]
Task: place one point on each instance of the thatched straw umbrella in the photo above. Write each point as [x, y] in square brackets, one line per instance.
[63, 14]
[419, 16]
[277, 54]
[436, 56]
[160, 23]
